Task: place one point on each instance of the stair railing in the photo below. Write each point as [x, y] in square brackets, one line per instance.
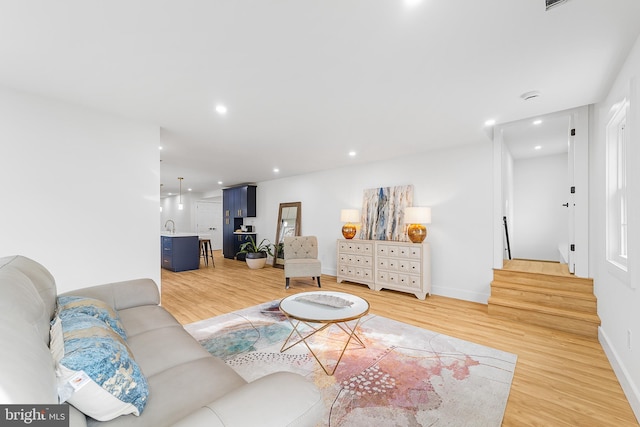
[506, 233]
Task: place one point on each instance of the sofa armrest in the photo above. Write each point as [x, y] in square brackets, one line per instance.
[121, 295]
[280, 399]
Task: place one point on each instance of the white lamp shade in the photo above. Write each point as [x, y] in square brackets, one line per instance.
[417, 215]
[349, 215]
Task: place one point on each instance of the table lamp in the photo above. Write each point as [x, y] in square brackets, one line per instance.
[349, 216]
[416, 216]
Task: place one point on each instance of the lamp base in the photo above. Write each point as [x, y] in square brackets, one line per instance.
[417, 233]
[349, 231]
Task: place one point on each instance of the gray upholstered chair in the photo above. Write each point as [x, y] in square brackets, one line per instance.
[301, 258]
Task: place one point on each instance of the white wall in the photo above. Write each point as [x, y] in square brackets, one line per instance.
[185, 219]
[456, 183]
[540, 222]
[618, 301]
[80, 191]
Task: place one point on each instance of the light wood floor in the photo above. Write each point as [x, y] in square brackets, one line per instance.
[560, 379]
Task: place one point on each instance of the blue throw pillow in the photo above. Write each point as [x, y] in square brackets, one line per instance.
[97, 373]
[73, 305]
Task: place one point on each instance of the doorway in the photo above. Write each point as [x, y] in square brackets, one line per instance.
[539, 220]
[538, 163]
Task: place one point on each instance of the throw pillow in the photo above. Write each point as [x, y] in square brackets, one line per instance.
[72, 305]
[96, 371]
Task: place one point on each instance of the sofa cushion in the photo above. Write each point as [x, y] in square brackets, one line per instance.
[178, 391]
[145, 318]
[97, 373]
[161, 349]
[74, 305]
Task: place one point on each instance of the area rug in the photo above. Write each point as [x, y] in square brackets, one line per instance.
[406, 376]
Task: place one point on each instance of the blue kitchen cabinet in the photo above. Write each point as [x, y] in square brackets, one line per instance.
[180, 253]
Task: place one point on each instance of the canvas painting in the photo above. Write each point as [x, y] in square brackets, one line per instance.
[383, 212]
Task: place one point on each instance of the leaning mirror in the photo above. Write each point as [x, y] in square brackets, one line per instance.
[289, 218]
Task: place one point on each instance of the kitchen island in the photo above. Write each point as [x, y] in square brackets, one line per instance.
[180, 251]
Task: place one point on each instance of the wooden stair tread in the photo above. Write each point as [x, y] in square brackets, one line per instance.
[544, 290]
[543, 281]
[571, 314]
[542, 276]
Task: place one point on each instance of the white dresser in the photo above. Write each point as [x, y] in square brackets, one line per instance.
[384, 264]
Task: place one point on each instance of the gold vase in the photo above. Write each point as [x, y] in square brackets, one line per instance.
[417, 233]
[349, 231]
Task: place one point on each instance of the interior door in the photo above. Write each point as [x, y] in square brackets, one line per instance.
[209, 222]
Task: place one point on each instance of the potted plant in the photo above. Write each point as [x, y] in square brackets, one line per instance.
[256, 254]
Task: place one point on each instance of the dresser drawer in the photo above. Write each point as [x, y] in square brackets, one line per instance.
[364, 261]
[363, 273]
[344, 247]
[409, 266]
[364, 248]
[387, 277]
[409, 282]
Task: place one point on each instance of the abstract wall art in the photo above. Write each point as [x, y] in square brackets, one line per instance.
[383, 212]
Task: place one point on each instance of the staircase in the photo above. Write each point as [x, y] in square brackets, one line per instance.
[561, 302]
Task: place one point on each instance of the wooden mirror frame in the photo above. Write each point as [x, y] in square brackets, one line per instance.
[278, 261]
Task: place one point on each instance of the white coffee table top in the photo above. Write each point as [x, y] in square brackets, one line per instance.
[314, 312]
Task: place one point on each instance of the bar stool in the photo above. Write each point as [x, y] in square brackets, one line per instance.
[206, 251]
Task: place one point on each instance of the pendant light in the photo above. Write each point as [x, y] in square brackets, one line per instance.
[180, 205]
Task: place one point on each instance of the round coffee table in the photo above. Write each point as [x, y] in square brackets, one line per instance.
[323, 308]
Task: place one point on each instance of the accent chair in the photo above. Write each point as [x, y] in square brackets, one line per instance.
[301, 258]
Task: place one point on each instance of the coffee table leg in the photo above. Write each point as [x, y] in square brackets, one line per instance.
[302, 337]
[351, 332]
[346, 344]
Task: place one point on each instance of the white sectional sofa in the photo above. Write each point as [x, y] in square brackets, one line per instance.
[184, 384]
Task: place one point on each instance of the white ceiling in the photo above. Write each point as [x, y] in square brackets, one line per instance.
[537, 136]
[305, 81]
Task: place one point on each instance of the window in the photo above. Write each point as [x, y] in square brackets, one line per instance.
[617, 141]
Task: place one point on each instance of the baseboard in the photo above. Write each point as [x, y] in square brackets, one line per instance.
[626, 382]
[460, 294]
[442, 291]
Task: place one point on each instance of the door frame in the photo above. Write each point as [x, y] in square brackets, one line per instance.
[580, 257]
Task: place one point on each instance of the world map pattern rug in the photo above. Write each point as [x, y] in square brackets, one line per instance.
[405, 376]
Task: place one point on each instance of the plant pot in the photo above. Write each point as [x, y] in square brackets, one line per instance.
[256, 260]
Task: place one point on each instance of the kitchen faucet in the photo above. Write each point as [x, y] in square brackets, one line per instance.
[173, 228]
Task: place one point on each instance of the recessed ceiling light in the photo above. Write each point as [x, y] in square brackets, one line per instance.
[352, 153]
[276, 170]
[160, 147]
[221, 109]
[537, 122]
[170, 194]
[219, 182]
[538, 147]
[188, 189]
[490, 122]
